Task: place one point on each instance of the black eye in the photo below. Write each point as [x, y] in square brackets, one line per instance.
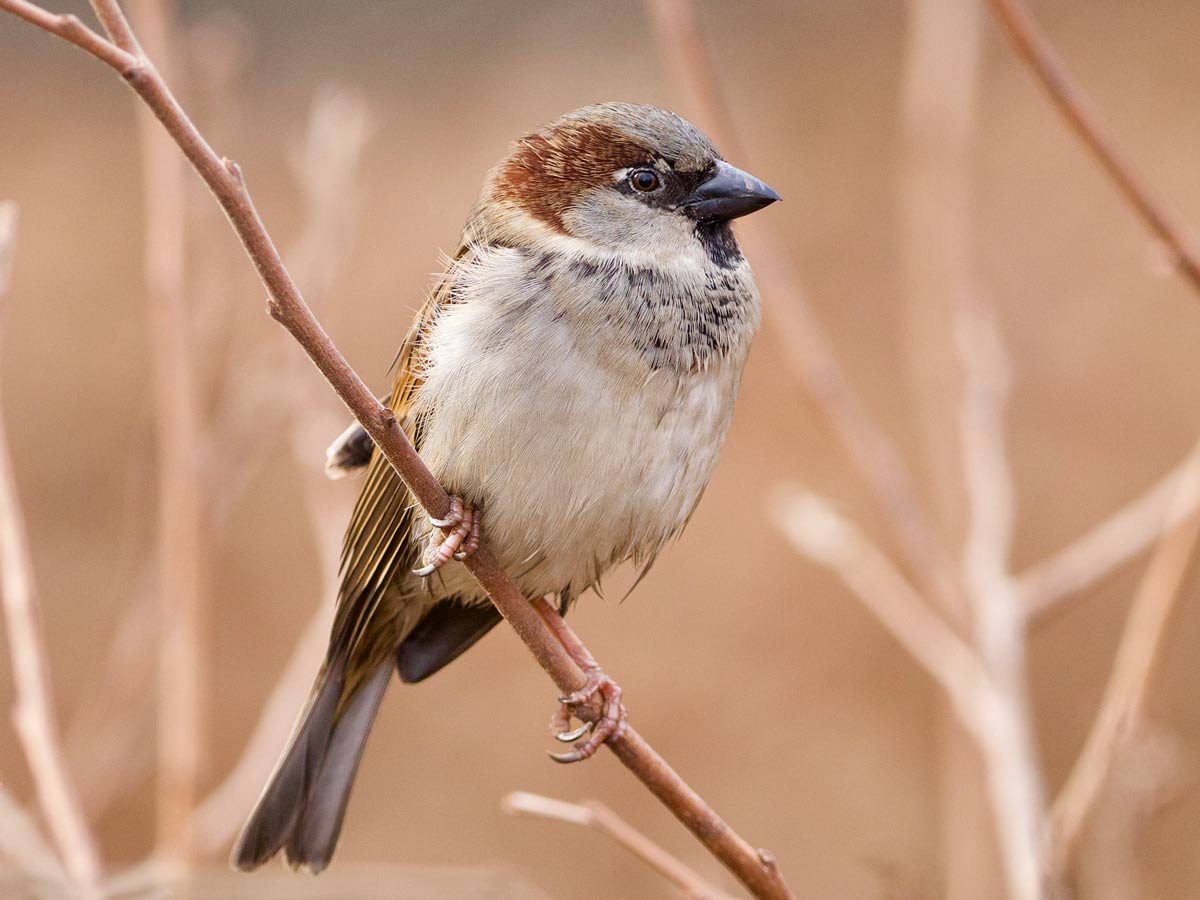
[644, 180]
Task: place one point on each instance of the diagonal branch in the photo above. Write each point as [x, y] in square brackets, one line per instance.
[818, 531]
[593, 814]
[33, 715]
[1046, 585]
[1039, 54]
[755, 869]
[1122, 707]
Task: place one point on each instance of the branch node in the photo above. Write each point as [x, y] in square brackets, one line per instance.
[234, 170]
[275, 309]
[70, 24]
[387, 418]
[767, 858]
[135, 73]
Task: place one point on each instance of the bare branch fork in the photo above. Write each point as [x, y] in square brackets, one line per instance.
[755, 869]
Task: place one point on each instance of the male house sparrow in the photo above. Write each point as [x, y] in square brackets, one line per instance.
[572, 375]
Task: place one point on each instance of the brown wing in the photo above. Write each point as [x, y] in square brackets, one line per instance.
[377, 549]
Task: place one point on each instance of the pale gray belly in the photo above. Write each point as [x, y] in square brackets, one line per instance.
[579, 462]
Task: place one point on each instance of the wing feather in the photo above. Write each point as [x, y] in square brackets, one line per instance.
[377, 551]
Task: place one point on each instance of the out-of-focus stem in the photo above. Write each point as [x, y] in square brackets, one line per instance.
[1122, 708]
[33, 715]
[180, 543]
[1045, 63]
[593, 814]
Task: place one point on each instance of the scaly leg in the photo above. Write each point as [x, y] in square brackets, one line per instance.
[613, 715]
[458, 539]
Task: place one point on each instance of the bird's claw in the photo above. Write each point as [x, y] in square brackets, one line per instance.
[608, 725]
[460, 537]
[569, 737]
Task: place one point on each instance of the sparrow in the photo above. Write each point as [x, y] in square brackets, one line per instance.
[569, 380]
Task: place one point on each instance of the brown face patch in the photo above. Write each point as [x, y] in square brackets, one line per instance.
[546, 172]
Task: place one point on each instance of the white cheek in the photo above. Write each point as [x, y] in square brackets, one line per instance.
[620, 222]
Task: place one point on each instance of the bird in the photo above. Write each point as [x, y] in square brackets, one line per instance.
[570, 380]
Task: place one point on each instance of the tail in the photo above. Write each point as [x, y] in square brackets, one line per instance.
[301, 808]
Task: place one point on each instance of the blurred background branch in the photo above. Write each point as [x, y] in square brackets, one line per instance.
[1078, 111]
[595, 815]
[33, 715]
[1121, 719]
[182, 640]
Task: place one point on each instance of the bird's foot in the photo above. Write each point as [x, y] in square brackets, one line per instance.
[459, 536]
[607, 723]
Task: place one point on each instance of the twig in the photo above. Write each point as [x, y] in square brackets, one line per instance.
[806, 349]
[819, 532]
[1013, 773]
[33, 715]
[1039, 54]
[1045, 586]
[1122, 707]
[755, 869]
[593, 814]
[181, 643]
[8, 246]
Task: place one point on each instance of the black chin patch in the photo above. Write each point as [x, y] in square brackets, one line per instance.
[719, 243]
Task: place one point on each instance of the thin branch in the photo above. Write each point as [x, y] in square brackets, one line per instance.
[805, 347]
[70, 29]
[593, 814]
[819, 532]
[33, 715]
[1046, 585]
[1123, 705]
[8, 246]
[181, 643]
[1039, 54]
[1013, 774]
[755, 869]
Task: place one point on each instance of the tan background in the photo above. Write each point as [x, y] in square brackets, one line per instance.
[754, 672]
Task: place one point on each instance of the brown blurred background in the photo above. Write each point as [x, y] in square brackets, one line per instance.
[751, 669]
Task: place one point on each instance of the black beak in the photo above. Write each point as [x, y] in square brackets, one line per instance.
[729, 193]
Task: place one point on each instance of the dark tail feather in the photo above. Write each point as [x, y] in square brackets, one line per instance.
[304, 800]
[442, 635]
[315, 835]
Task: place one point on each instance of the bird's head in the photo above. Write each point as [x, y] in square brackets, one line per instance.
[618, 177]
